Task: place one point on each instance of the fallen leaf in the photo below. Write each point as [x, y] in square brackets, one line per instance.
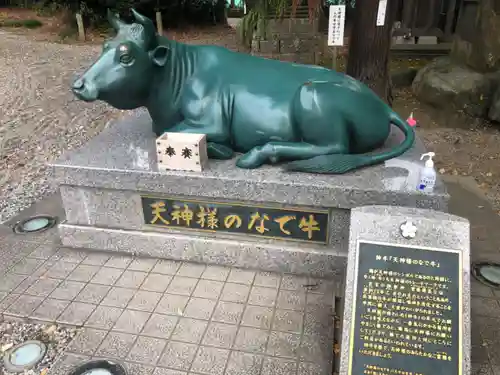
[6, 347]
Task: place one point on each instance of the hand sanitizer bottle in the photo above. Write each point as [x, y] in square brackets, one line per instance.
[427, 178]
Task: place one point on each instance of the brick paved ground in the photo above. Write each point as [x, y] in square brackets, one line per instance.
[168, 315]
[164, 317]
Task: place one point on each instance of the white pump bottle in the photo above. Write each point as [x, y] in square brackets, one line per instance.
[427, 178]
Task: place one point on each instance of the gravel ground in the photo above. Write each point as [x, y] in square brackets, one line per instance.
[55, 337]
[39, 116]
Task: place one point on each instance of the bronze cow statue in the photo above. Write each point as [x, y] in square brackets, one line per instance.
[313, 118]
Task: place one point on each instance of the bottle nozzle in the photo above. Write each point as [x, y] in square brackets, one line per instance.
[429, 162]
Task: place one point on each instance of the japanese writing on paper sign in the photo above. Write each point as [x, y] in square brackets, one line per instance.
[336, 25]
[268, 222]
[407, 312]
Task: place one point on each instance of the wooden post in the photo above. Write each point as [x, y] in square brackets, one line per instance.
[159, 23]
[334, 58]
[81, 30]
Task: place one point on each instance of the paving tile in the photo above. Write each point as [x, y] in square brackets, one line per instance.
[156, 282]
[292, 282]
[291, 300]
[322, 300]
[76, 313]
[166, 267]
[26, 266]
[93, 293]
[258, 317]
[104, 317]
[493, 354]
[220, 335]
[496, 369]
[43, 270]
[83, 273]
[305, 368]
[262, 296]
[144, 301]
[116, 345]
[147, 350]
[50, 309]
[24, 306]
[189, 330]
[118, 297]
[10, 281]
[3, 295]
[318, 322]
[178, 355]
[160, 325]
[216, 273]
[96, 259]
[43, 252]
[25, 284]
[72, 255]
[208, 289]
[7, 301]
[235, 293]
[199, 308]
[143, 264]
[61, 270]
[191, 270]
[138, 368]
[131, 279]
[288, 321]
[107, 276]
[168, 371]
[485, 306]
[87, 341]
[172, 304]
[119, 261]
[251, 340]
[481, 369]
[228, 312]
[131, 321]
[240, 276]
[43, 287]
[67, 290]
[211, 361]
[321, 286]
[283, 344]
[315, 349]
[182, 285]
[244, 364]
[267, 279]
[279, 366]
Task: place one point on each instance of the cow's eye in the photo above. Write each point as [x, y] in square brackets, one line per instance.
[126, 59]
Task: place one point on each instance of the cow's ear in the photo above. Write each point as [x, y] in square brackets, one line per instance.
[159, 55]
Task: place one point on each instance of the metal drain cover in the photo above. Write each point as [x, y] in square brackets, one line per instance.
[487, 273]
[24, 356]
[99, 367]
[34, 224]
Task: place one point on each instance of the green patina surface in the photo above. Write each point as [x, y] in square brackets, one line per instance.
[313, 118]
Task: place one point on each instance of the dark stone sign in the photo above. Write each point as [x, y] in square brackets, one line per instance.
[268, 222]
[407, 311]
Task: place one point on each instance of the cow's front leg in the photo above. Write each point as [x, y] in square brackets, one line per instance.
[215, 150]
[275, 152]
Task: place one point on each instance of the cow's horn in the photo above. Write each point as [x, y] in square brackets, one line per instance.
[115, 22]
[144, 21]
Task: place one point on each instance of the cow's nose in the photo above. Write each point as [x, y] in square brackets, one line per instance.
[78, 84]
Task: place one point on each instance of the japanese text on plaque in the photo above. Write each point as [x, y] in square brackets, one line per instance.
[257, 221]
[406, 317]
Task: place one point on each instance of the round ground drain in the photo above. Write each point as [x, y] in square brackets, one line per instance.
[487, 273]
[24, 356]
[34, 224]
[99, 367]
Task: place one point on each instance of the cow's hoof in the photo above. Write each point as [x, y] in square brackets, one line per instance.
[250, 160]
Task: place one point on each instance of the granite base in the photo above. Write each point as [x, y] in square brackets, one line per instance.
[102, 183]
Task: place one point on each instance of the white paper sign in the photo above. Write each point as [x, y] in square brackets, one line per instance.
[382, 9]
[336, 24]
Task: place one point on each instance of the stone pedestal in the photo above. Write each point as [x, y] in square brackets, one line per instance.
[102, 184]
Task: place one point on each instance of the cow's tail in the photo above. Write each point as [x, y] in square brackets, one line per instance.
[342, 163]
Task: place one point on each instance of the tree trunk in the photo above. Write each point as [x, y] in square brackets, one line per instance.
[369, 48]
